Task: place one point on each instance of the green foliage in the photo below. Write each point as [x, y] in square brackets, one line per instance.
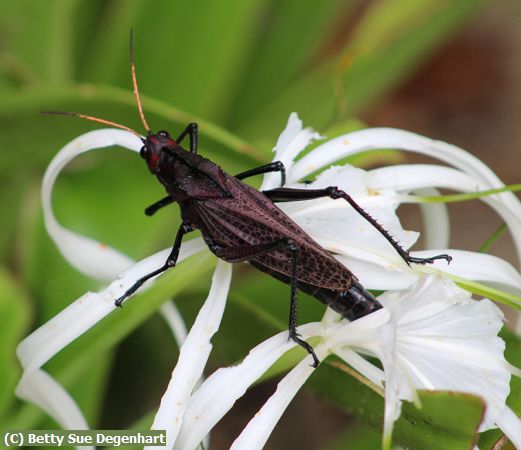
[15, 313]
[445, 421]
[229, 65]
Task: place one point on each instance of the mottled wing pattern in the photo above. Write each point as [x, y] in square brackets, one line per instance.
[250, 218]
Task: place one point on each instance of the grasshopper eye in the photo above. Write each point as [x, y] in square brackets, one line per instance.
[163, 133]
[143, 152]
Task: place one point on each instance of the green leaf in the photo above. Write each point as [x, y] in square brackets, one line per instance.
[204, 45]
[446, 419]
[388, 44]
[12, 189]
[48, 24]
[19, 112]
[288, 44]
[357, 437]
[513, 355]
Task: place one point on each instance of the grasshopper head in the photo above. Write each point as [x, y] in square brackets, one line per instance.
[153, 147]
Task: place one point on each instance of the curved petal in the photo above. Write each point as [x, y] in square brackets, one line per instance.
[259, 428]
[435, 221]
[510, 425]
[38, 387]
[481, 267]
[291, 142]
[379, 138]
[87, 255]
[193, 357]
[220, 390]
[420, 176]
[174, 320]
[43, 343]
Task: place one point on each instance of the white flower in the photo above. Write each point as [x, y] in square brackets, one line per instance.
[432, 337]
[398, 334]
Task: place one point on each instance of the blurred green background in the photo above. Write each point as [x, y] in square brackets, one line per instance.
[440, 67]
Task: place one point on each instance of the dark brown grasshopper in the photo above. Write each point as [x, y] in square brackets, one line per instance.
[239, 223]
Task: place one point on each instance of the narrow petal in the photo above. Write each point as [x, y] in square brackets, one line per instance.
[435, 221]
[218, 393]
[368, 370]
[175, 322]
[258, 430]
[87, 255]
[291, 142]
[510, 425]
[388, 271]
[481, 267]
[41, 345]
[40, 388]
[405, 178]
[193, 357]
[326, 217]
[380, 138]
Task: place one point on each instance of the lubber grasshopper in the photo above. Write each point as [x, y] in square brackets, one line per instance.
[239, 223]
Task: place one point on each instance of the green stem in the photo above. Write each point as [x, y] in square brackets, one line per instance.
[452, 198]
[485, 247]
[45, 96]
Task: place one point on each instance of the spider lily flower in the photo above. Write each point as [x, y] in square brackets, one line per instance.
[433, 337]
[332, 223]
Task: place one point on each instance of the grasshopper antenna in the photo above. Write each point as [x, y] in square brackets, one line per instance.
[94, 119]
[134, 83]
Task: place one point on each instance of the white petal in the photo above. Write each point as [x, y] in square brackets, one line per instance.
[89, 256]
[373, 373]
[291, 142]
[326, 217]
[379, 138]
[85, 312]
[193, 357]
[175, 321]
[381, 270]
[419, 176]
[40, 388]
[510, 425]
[481, 267]
[258, 430]
[446, 341]
[85, 254]
[219, 392]
[435, 219]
